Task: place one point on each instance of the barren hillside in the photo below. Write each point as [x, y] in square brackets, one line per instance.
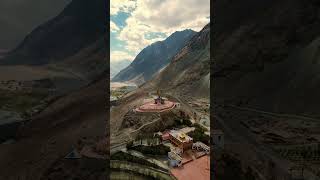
[267, 55]
[51, 135]
[189, 72]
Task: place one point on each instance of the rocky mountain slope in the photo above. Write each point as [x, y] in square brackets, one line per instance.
[73, 43]
[189, 71]
[47, 138]
[20, 17]
[79, 26]
[185, 77]
[154, 57]
[88, 63]
[267, 55]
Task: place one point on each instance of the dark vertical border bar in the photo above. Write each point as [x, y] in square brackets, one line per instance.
[107, 46]
[212, 18]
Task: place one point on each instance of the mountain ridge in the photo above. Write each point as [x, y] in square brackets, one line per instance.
[154, 57]
[188, 73]
[47, 43]
[264, 65]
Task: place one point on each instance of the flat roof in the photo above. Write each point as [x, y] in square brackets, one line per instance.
[197, 169]
[165, 135]
[180, 136]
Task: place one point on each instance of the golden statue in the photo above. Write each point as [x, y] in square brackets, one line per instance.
[159, 100]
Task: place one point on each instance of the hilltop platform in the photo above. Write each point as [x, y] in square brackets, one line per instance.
[152, 107]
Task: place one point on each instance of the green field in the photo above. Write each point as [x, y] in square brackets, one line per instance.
[20, 101]
[121, 91]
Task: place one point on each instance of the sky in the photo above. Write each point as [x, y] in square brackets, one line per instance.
[135, 24]
[19, 17]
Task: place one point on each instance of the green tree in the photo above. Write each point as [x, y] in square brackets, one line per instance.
[129, 145]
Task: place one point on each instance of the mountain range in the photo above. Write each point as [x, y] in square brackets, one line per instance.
[72, 43]
[20, 17]
[116, 67]
[272, 65]
[185, 78]
[80, 116]
[188, 73]
[154, 57]
[78, 26]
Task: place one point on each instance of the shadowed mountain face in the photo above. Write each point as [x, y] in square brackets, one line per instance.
[189, 71]
[79, 25]
[271, 65]
[53, 133]
[18, 18]
[154, 57]
[74, 42]
[89, 62]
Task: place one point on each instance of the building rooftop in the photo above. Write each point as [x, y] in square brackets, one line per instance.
[182, 137]
[174, 156]
[165, 136]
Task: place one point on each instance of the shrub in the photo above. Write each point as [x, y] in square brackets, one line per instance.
[129, 145]
[199, 127]
[152, 150]
[128, 157]
[187, 122]
[199, 135]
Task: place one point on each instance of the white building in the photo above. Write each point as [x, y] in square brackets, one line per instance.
[199, 146]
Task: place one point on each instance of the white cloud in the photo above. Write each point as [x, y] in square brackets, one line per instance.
[116, 56]
[166, 16]
[134, 36]
[113, 27]
[117, 6]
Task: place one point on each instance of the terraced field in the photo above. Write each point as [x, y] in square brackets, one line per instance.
[140, 170]
[308, 152]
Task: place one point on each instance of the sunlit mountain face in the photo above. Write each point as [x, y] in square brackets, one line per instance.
[139, 34]
[154, 57]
